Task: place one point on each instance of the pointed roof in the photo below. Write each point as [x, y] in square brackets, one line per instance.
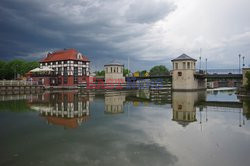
[184, 57]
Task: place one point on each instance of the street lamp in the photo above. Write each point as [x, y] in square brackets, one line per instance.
[239, 63]
[243, 61]
[200, 62]
[206, 65]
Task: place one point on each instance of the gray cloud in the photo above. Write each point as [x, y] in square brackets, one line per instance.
[149, 32]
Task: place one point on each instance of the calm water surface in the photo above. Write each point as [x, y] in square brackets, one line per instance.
[120, 128]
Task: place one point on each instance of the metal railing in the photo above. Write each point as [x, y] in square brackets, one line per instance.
[17, 83]
[224, 71]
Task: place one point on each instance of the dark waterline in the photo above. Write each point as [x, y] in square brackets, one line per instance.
[120, 128]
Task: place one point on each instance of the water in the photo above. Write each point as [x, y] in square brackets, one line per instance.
[192, 128]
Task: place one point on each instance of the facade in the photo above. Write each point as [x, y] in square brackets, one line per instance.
[114, 73]
[184, 76]
[69, 67]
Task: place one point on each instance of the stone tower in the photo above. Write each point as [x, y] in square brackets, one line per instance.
[184, 76]
[114, 73]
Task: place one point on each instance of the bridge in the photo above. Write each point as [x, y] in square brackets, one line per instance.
[210, 75]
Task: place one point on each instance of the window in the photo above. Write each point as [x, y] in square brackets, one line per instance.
[65, 79]
[84, 71]
[75, 71]
[75, 80]
[75, 62]
[176, 66]
[59, 82]
[65, 71]
[188, 65]
[106, 70]
[179, 73]
[111, 69]
[54, 63]
[184, 65]
[59, 70]
[65, 62]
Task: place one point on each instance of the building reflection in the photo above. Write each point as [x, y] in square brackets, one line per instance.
[114, 103]
[67, 109]
[184, 106]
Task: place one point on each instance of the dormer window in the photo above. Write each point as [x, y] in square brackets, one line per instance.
[79, 56]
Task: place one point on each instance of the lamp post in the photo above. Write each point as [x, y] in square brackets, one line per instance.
[243, 61]
[239, 63]
[200, 62]
[206, 65]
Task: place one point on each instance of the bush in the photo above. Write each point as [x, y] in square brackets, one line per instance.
[248, 80]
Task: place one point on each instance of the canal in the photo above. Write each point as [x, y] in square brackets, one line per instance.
[124, 128]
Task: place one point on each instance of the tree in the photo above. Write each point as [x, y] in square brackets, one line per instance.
[143, 72]
[10, 70]
[248, 80]
[100, 73]
[125, 72]
[159, 70]
[2, 70]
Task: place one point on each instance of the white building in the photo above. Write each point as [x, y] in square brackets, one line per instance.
[114, 73]
[184, 76]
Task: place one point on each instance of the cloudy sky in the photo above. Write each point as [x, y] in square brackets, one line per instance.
[149, 32]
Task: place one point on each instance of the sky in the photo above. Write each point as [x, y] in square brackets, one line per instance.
[147, 32]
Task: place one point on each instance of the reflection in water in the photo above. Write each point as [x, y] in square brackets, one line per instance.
[246, 109]
[66, 109]
[114, 103]
[151, 134]
[184, 106]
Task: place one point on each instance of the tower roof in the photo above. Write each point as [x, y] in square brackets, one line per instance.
[66, 54]
[114, 63]
[184, 57]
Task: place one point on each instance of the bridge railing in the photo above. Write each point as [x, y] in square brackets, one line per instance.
[224, 71]
[17, 83]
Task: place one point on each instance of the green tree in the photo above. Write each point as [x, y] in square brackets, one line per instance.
[158, 70]
[100, 73]
[143, 72]
[125, 72]
[11, 69]
[2, 70]
[248, 80]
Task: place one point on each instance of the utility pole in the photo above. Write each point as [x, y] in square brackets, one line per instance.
[239, 63]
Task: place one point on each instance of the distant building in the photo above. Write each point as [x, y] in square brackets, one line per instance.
[114, 72]
[184, 74]
[69, 67]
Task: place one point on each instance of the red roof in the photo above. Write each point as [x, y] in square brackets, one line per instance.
[61, 55]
